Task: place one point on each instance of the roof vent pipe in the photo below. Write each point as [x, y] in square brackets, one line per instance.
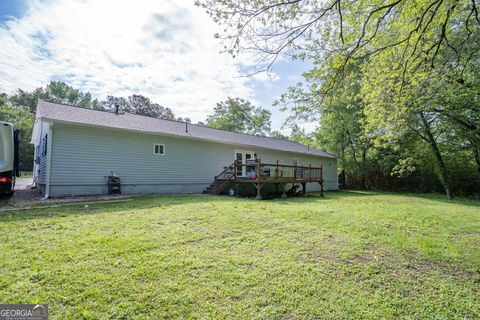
[186, 126]
[116, 108]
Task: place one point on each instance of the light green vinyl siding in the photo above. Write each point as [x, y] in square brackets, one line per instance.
[83, 156]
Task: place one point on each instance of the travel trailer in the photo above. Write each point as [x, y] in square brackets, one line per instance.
[9, 158]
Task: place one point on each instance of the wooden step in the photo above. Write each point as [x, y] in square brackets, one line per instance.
[217, 187]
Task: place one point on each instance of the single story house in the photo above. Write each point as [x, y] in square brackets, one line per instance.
[76, 149]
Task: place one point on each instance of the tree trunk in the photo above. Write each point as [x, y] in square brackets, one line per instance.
[364, 168]
[476, 151]
[438, 157]
[342, 176]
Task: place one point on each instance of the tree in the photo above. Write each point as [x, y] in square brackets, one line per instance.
[55, 91]
[20, 110]
[347, 31]
[138, 104]
[278, 135]
[299, 135]
[186, 119]
[239, 115]
[22, 120]
[440, 105]
[390, 78]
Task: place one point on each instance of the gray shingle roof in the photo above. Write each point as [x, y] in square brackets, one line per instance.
[71, 114]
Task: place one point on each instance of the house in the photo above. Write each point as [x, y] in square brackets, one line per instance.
[76, 149]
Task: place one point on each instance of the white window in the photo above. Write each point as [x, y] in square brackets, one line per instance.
[159, 149]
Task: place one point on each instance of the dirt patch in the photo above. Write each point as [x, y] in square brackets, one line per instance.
[379, 260]
[24, 193]
[27, 197]
[410, 263]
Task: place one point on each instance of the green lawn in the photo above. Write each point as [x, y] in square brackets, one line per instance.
[26, 174]
[355, 255]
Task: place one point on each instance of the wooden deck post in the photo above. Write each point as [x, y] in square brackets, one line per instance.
[284, 194]
[258, 186]
[321, 180]
[257, 169]
[295, 171]
[304, 188]
[310, 172]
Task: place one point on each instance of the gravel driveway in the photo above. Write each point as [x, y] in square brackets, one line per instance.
[23, 193]
[26, 197]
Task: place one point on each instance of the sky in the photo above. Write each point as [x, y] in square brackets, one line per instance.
[158, 48]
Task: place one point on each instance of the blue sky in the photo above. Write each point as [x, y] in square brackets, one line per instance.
[162, 49]
[12, 9]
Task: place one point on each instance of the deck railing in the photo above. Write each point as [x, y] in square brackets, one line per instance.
[266, 172]
[227, 173]
[258, 173]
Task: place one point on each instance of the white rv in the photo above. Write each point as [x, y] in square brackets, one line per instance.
[8, 157]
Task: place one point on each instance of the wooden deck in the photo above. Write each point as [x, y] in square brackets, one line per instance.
[257, 173]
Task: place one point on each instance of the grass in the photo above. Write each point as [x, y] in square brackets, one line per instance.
[355, 255]
[26, 174]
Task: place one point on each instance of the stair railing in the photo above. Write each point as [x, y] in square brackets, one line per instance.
[226, 174]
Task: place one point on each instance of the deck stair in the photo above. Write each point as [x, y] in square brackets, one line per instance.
[218, 186]
[258, 174]
[222, 181]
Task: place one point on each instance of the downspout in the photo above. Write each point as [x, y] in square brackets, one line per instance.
[49, 158]
[36, 144]
[34, 169]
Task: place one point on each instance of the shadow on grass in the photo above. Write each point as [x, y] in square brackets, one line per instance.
[437, 197]
[152, 201]
[56, 210]
[442, 198]
[164, 201]
[334, 195]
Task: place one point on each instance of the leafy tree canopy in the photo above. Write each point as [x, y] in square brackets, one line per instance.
[138, 104]
[393, 82]
[348, 31]
[55, 91]
[23, 121]
[239, 115]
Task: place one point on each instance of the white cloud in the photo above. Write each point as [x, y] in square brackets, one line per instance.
[162, 49]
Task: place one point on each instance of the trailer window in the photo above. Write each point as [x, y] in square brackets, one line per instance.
[159, 149]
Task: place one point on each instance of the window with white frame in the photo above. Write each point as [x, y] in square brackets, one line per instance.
[159, 149]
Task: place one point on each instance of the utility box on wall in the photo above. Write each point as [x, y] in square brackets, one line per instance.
[114, 185]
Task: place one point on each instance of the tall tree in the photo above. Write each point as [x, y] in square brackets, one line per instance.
[278, 135]
[138, 104]
[415, 65]
[186, 119]
[239, 115]
[20, 110]
[22, 119]
[347, 31]
[55, 91]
